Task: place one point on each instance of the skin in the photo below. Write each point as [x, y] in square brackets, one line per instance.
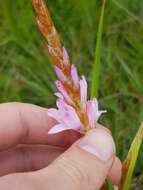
[31, 159]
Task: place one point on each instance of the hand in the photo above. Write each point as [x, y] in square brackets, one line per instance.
[30, 159]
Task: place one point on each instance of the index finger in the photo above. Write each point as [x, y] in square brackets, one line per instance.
[29, 124]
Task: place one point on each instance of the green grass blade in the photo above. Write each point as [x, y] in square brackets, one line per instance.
[96, 66]
[108, 185]
[130, 162]
[131, 14]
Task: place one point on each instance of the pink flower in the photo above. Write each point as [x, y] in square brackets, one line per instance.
[66, 115]
[74, 76]
[62, 91]
[83, 90]
[59, 95]
[68, 119]
[59, 73]
[93, 112]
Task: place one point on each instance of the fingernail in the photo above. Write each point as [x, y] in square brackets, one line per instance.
[99, 143]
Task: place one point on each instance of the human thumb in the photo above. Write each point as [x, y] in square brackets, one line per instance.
[85, 165]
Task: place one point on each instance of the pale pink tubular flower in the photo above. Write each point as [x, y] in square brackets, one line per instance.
[74, 76]
[93, 112]
[59, 73]
[62, 90]
[59, 95]
[66, 115]
[83, 90]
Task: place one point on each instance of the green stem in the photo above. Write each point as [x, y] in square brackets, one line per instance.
[108, 185]
[96, 66]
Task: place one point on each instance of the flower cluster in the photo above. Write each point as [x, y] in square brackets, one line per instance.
[73, 111]
[66, 115]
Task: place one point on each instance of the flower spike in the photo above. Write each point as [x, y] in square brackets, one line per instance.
[74, 110]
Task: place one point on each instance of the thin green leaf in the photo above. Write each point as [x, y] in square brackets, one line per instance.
[108, 185]
[96, 66]
[130, 162]
[131, 14]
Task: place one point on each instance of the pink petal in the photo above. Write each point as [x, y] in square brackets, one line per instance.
[91, 114]
[68, 115]
[99, 114]
[61, 104]
[59, 95]
[59, 73]
[95, 108]
[70, 118]
[62, 90]
[74, 76]
[59, 128]
[83, 90]
[54, 113]
[65, 56]
[95, 104]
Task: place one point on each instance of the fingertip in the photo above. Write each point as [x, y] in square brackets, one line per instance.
[88, 160]
[116, 172]
[98, 142]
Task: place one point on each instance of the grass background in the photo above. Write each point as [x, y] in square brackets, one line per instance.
[26, 73]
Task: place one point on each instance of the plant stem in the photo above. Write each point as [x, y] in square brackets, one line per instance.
[96, 66]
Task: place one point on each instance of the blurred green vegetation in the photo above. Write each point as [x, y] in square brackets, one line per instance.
[26, 73]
